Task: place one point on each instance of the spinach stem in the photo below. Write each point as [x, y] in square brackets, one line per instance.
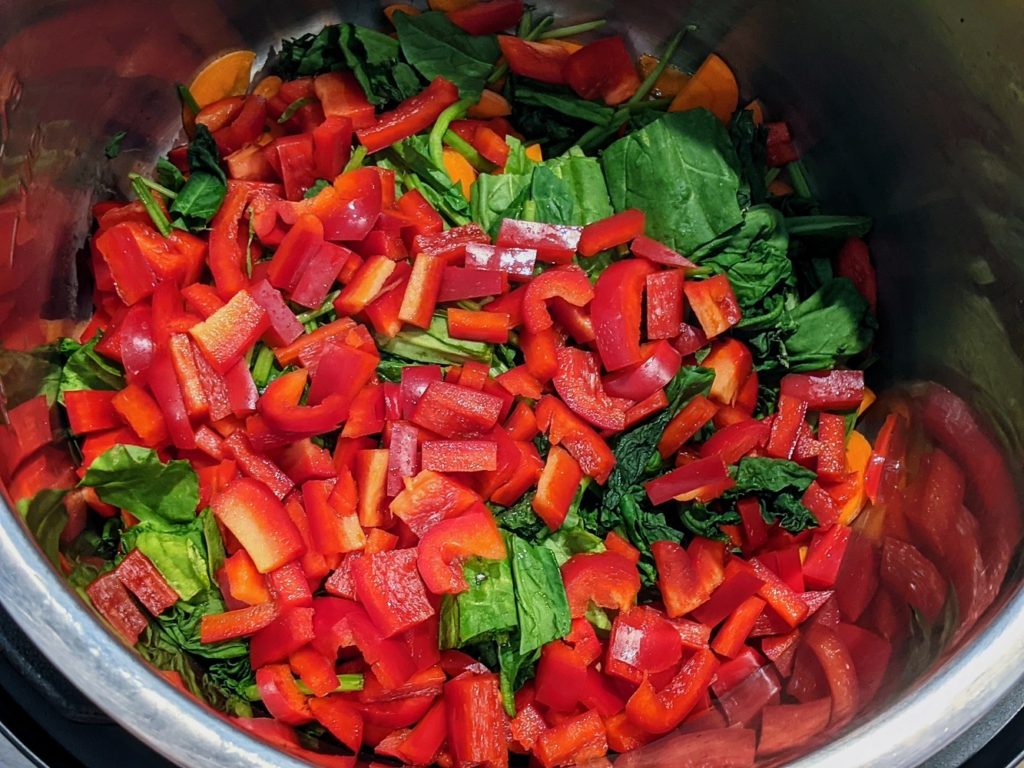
[435, 141]
[540, 29]
[525, 23]
[356, 161]
[468, 151]
[187, 99]
[291, 109]
[156, 213]
[153, 185]
[261, 368]
[663, 62]
[649, 104]
[575, 29]
[320, 311]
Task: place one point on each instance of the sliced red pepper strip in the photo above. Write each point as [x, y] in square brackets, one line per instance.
[451, 244]
[443, 548]
[554, 243]
[854, 263]
[487, 18]
[89, 410]
[429, 498]
[686, 479]
[617, 310]
[660, 711]
[786, 427]
[538, 61]
[564, 427]
[642, 642]
[678, 581]
[490, 327]
[340, 94]
[617, 229]
[574, 741]
[579, 384]
[517, 263]
[422, 291]
[281, 696]
[660, 364]
[556, 487]
[284, 326]
[714, 304]
[453, 411]
[243, 622]
[141, 412]
[111, 599]
[603, 70]
[647, 248]
[567, 283]
[665, 304]
[732, 363]
[229, 332]
[827, 391]
[607, 579]
[391, 591]
[735, 441]
[687, 423]
[840, 670]
[260, 523]
[279, 405]
[413, 115]
[163, 383]
[227, 246]
[458, 283]
[143, 580]
[476, 720]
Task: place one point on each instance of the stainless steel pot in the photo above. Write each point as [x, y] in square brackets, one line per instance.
[907, 111]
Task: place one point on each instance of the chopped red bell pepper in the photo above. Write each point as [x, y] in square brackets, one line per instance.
[578, 382]
[734, 632]
[603, 70]
[665, 304]
[786, 427]
[422, 291]
[686, 479]
[736, 440]
[230, 331]
[660, 711]
[391, 590]
[341, 373]
[442, 549]
[140, 411]
[340, 717]
[517, 263]
[332, 146]
[839, 668]
[526, 474]
[455, 411]
[556, 487]
[680, 586]
[568, 283]
[540, 351]
[831, 464]
[825, 556]
[429, 498]
[487, 18]
[660, 364]
[243, 622]
[617, 310]
[279, 407]
[687, 423]
[565, 428]
[491, 327]
[111, 599]
[739, 583]
[292, 157]
[371, 476]
[89, 410]
[539, 61]
[458, 283]
[260, 523]
[451, 244]
[227, 243]
[460, 455]
[284, 326]
[732, 363]
[132, 273]
[289, 585]
[554, 243]
[827, 391]
[854, 263]
[607, 579]
[520, 382]
[714, 304]
[413, 115]
[366, 285]
[913, 577]
[615, 230]
[245, 584]
[340, 95]
[281, 696]
[292, 256]
[320, 273]
[476, 721]
[163, 383]
[184, 362]
[642, 642]
[143, 580]
[561, 677]
[646, 248]
[820, 504]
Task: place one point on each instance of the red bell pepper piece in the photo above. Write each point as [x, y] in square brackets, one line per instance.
[732, 363]
[779, 145]
[279, 406]
[421, 745]
[299, 246]
[230, 331]
[646, 248]
[245, 584]
[557, 487]
[565, 428]
[422, 291]
[688, 422]
[487, 18]
[284, 326]
[141, 412]
[259, 522]
[316, 671]
[114, 604]
[913, 577]
[164, 385]
[755, 530]
[331, 509]
[289, 586]
[665, 304]
[305, 460]
[831, 463]
[714, 304]
[854, 263]
[578, 382]
[616, 311]
[428, 499]
[340, 95]
[678, 581]
[460, 455]
[526, 474]
[451, 244]
[605, 578]
[292, 158]
[518, 381]
[517, 263]
[332, 146]
[188, 375]
[415, 380]
[615, 230]
[227, 246]
[320, 273]
[371, 475]
[786, 427]
[442, 549]
[491, 327]
[540, 351]
[340, 717]
[476, 721]
[522, 424]
[415, 206]
[561, 677]
[391, 590]
[642, 642]
[458, 283]
[136, 344]
[603, 70]
[554, 243]
[660, 711]
[365, 286]
[89, 410]
[574, 741]
[686, 479]
[568, 283]
[736, 629]
[539, 61]
[403, 456]
[820, 504]
[281, 696]
[341, 372]
[413, 115]
[740, 582]
[133, 276]
[623, 735]
[827, 391]
[144, 581]
[454, 411]
[736, 440]
[840, 670]
[660, 364]
[243, 622]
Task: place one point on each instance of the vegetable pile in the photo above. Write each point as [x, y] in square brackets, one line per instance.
[392, 434]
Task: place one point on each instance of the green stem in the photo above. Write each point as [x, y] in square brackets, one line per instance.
[155, 186]
[575, 29]
[160, 220]
[542, 26]
[827, 226]
[468, 151]
[649, 104]
[798, 178]
[320, 311]
[262, 367]
[291, 109]
[525, 22]
[356, 161]
[187, 99]
[435, 142]
[597, 135]
[346, 684]
[666, 57]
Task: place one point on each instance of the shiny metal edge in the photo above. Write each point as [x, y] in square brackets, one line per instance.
[79, 644]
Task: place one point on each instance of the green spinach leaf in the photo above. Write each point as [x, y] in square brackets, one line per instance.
[434, 346]
[201, 197]
[438, 48]
[45, 517]
[134, 479]
[485, 610]
[541, 604]
[831, 326]
[681, 171]
[85, 368]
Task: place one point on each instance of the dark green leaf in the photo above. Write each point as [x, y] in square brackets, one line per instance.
[495, 197]
[318, 186]
[201, 197]
[750, 142]
[486, 609]
[438, 48]
[413, 156]
[203, 155]
[515, 669]
[681, 171]
[45, 517]
[764, 475]
[85, 368]
[113, 147]
[831, 326]
[521, 519]
[564, 102]
[828, 226]
[701, 520]
[541, 603]
[181, 623]
[570, 189]
[179, 555]
[434, 346]
[375, 60]
[134, 479]
[168, 175]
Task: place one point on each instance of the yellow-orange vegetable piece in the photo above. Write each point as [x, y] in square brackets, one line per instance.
[535, 153]
[409, 10]
[459, 170]
[227, 75]
[858, 452]
[669, 83]
[756, 108]
[491, 104]
[713, 87]
[268, 87]
[450, 5]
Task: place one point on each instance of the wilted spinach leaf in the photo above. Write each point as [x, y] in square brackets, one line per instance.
[438, 48]
[201, 197]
